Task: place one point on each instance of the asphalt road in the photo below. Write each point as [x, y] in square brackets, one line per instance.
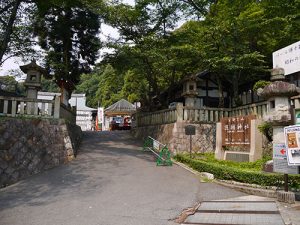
[111, 182]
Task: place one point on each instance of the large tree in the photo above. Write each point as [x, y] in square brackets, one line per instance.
[68, 34]
[16, 38]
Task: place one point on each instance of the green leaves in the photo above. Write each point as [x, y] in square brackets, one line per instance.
[68, 33]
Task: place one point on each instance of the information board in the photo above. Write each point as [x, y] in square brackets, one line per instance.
[292, 142]
[280, 163]
[288, 58]
[236, 131]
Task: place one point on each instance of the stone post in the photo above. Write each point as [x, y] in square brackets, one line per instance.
[255, 142]
[219, 153]
[56, 107]
[179, 112]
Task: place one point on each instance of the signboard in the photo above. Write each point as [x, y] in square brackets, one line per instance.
[100, 115]
[156, 145]
[292, 141]
[236, 131]
[279, 151]
[190, 130]
[288, 58]
[280, 164]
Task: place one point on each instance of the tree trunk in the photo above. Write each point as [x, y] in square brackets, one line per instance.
[235, 86]
[9, 29]
[221, 93]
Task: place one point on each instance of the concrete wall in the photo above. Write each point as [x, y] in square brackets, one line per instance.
[174, 136]
[29, 146]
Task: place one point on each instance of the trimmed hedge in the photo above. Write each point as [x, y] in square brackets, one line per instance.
[224, 172]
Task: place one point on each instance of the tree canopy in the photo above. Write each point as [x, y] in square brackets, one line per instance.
[232, 39]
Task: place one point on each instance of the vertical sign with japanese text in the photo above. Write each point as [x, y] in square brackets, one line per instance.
[236, 131]
[100, 115]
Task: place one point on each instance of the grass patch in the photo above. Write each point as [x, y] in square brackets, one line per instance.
[246, 172]
[251, 166]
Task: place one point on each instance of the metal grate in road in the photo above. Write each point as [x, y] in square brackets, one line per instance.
[236, 213]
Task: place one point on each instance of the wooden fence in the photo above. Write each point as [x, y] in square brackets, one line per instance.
[204, 114]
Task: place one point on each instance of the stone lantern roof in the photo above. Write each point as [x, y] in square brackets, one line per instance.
[32, 66]
[191, 78]
[278, 87]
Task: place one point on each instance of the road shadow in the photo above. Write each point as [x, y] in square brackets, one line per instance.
[79, 177]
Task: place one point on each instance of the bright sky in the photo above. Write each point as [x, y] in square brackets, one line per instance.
[106, 31]
[14, 63]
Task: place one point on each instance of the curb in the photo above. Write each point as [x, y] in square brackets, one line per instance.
[286, 210]
[250, 190]
[246, 188]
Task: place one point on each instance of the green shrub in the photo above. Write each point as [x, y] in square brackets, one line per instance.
[225, 172]
[260, 84]
[267, 130]
[210, 157]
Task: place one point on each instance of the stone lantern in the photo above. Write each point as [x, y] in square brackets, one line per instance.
[33, 80]
[278, 94]
[190, 92]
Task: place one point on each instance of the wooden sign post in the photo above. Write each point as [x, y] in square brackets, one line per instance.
[240, 137]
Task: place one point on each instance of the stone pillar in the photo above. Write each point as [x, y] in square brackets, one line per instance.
[179, 112]
[219, 153]
[256, 149]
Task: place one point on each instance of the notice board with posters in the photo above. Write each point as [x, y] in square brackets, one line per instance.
[280, 163]
[292, 142]
[236, 131]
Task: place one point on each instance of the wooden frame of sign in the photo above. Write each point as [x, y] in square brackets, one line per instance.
[239, 131]
[236, 131]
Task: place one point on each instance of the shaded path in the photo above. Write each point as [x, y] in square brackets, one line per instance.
[110, 182]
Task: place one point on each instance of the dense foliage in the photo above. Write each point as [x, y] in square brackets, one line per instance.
[232, 39]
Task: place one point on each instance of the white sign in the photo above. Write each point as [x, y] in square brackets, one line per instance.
[279, 151]
[100, 115]
[280, 164]
[288, 58]
[156, 145]
[292, 142]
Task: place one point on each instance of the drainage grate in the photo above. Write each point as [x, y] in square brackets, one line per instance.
[236, 213]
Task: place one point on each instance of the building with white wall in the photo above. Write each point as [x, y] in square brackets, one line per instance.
[85, 116]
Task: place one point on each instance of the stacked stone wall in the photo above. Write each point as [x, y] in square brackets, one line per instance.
[29, 146]
[174, 136]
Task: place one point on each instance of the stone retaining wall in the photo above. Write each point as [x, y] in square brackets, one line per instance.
[173, 135]
[29, 146]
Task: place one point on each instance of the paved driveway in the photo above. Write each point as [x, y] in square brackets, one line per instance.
[110, 182]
